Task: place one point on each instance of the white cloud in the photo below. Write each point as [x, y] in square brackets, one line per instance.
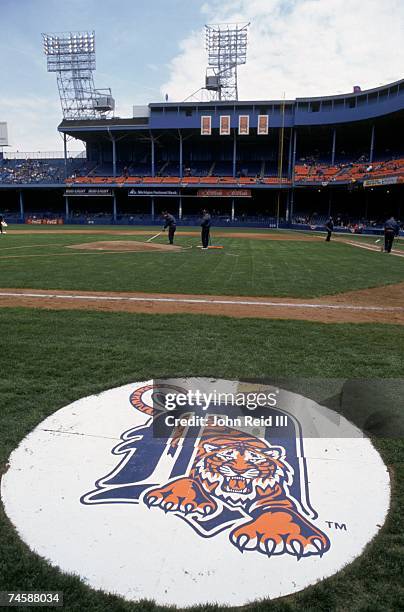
[301, 47]
[29, 118]
[187, 68]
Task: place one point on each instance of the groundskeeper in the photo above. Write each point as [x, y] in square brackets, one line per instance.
[391, 229]
[171, 224]
[205, 225]
[329, 226]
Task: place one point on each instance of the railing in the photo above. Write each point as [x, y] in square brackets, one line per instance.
[177, 181]
[43, 155]
[252, 221]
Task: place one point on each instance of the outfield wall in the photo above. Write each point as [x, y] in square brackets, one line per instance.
[306, 205]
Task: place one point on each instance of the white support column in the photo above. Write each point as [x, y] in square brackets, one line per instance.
[232, 209]
[292, 204]
[67, 212]
[21, 205]
[153, 167]
[372, 144]
[290, 154]
[114, 207]
[180, 207]
[334, 142]
[234, 152]
[294, 153]
[181, 163]
[292, 193]
[113, 157]
[65, 153]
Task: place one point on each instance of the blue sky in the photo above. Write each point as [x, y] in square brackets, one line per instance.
[134, 42]
[148, 47]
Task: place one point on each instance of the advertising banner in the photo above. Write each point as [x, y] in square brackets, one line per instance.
[263, 124]
[224, 193]
[390, 180]
[206, 125]
[33, 221]
[88, 191]
[244, 125]
[153, 192]
[224, 125]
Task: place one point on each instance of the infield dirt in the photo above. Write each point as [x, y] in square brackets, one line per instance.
[364, 306]
[124, 245]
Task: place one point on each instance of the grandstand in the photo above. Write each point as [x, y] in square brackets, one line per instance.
[342, 155]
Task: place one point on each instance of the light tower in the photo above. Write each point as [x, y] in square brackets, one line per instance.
[72, 56]
[226, 45]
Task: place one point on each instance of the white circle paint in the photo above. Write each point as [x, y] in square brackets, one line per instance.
[93, 491]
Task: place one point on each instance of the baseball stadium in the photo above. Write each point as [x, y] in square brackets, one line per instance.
[209, 252]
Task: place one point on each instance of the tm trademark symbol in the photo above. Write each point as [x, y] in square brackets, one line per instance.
[335, 525]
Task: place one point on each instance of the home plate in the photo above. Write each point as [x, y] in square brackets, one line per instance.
[196, 504]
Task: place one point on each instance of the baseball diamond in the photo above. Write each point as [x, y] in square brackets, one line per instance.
[202, 311]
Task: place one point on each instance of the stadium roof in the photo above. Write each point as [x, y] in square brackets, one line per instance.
[342, 108]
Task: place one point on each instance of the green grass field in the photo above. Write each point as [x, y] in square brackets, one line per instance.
[244, 267]
[50, 358]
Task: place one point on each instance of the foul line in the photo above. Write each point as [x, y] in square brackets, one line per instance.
[176, 300]
[31, 246]
[368, 247]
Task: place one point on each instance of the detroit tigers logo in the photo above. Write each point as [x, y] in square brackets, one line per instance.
[218, 478]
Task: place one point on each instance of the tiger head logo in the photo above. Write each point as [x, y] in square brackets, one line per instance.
[222, 479]
[239, 469]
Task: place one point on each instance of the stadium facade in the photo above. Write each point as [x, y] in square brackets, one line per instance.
[252, 163]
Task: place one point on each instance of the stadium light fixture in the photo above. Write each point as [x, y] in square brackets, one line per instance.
[226, 44]
[72, 56]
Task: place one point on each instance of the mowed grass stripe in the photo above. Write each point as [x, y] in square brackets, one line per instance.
[243, 267]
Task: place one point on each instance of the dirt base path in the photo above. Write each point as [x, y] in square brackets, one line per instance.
[380, 305]
[371, 247]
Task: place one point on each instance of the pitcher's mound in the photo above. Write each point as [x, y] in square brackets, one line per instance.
[124, 245]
